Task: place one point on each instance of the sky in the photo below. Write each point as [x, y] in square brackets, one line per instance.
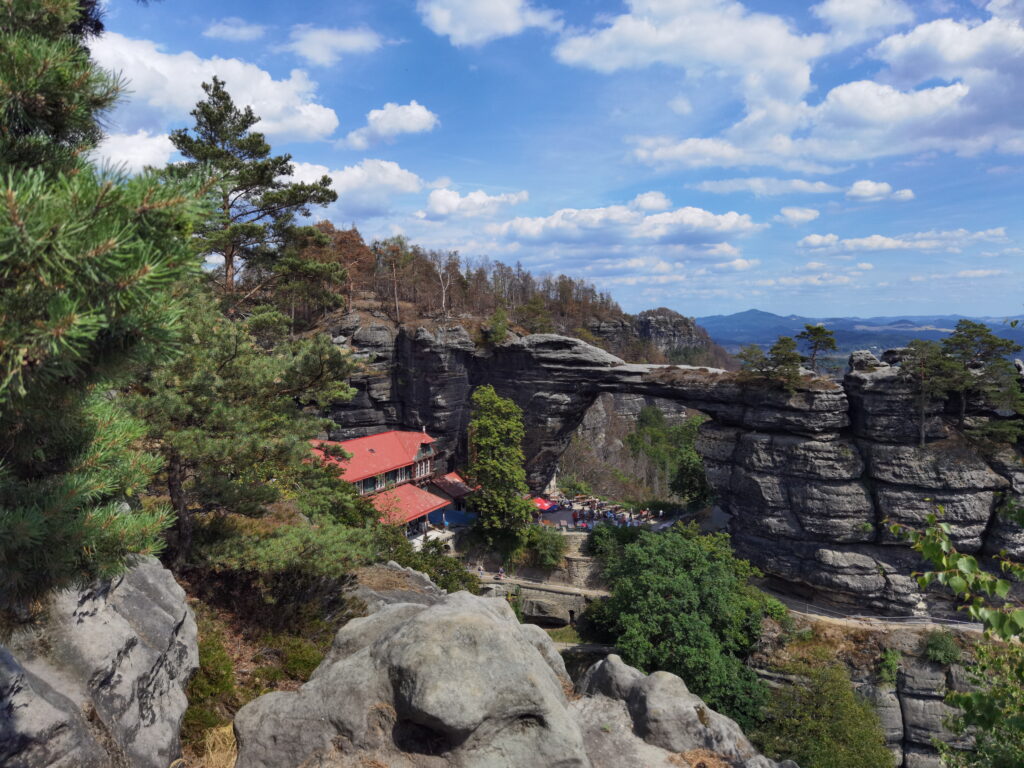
[853, 157]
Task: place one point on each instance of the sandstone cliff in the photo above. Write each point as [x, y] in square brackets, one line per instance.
[808, 478]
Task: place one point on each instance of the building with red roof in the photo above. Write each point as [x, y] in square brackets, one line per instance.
[395, 469]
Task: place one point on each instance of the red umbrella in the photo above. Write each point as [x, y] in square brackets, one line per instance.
[542, 505]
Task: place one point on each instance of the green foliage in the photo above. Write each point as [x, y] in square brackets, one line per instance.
[252, 222]
[930, 372]
[90, 261]
[497, 326]
[940, 646]
[781, 365]
[681, 602]
[982, 592]
[564, 635]
[818, 339]
[51, 94]
[994, 712]
[980, 367]
[298, 656]
[534, 316]
[674, 464]
[889, 665]
[496, 466]
[211, 692]
[446, 572]
[573, 486]
[820, 722]
[226, 417]
[544, 547]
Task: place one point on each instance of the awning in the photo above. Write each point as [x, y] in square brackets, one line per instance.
[406, 503]
[542, 504]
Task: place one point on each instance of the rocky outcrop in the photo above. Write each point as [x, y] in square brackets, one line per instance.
[667, 331]
[459, 682]
[808, 477]
[101, 682]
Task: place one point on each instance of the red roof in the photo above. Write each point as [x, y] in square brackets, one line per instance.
[375, 454]
[405, 503]
[453, 484]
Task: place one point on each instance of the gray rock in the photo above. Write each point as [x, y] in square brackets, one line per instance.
[545, 612]
[103, 682]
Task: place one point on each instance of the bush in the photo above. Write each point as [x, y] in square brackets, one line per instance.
[889, 665]
[822, 722]
[211, 692]
[545, 547]
[681, 602]
[940, 646]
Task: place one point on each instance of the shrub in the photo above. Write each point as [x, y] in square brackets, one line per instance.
[822, 723]
[211, 692]
[681, 602]
[889, 665]
[545, 547]
[940, 646]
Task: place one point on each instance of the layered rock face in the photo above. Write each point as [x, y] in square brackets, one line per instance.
[807, 477]
[669, 332]
[455, 680]
[102, 683]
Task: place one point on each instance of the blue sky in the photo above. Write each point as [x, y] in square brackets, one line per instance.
[854, 157]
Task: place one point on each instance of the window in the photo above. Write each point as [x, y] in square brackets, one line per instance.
[423, 468]
[379, 482]
[404, 474]
[391, 477]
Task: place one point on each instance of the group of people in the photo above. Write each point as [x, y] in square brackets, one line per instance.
[593, 514]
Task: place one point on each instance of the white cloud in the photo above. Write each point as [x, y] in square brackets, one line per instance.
[952, 240]
[762, 186]
[390, 121]
[865, 265]
[870, 191]
[797, 215]
[472, 22]
[768, 57]
[979, 273]
[681, 105]
[854, 21]
[666, 152]
[619, 224]
[365, 189]
[824, 278]
[324, 46]
[135, 151]
[445, 203]
[234, 29]
[736, 265]
[165, 86]
[651, 201]
[1007, 9]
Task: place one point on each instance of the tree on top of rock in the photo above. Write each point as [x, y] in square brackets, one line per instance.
[496, 466]
[981, 366]
[781, 364]
[930, 372]
[254, 210]
[818, 339]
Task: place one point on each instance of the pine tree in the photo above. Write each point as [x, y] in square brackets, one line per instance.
[90, 261]
[253, 222]
[496, 466]
[818, 339]
[227, 417]
[980, 365]
[785, 362]
[930, 373]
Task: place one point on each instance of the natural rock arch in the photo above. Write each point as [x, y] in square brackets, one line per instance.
[808, 477]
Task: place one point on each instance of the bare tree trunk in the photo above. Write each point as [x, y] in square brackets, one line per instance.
[229, 272]
[394, 282]
[175, 480]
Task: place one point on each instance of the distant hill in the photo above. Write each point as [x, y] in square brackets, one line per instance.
[875, 333]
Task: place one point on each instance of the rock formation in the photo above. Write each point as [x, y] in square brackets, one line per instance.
[455, 680]
[101, 682]
[807, 477]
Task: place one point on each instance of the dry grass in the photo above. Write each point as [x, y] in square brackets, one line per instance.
[220, 749]
[698, 758]
[383, 579]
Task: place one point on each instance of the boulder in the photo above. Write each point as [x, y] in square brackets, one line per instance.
[102, 681]
[461, 683]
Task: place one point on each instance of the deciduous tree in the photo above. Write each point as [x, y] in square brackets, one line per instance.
[496, 464]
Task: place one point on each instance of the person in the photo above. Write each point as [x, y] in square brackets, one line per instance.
[444, 521]
[661, 513]
[480, 570]
[501, 572]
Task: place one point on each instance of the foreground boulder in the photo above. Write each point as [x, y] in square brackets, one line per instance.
[461, 683]
[100, 683]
